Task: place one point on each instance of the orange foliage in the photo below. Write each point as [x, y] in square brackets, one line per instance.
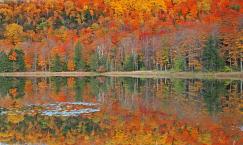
[13, 92]
[71, 65]
[28, 59]
[13, 56]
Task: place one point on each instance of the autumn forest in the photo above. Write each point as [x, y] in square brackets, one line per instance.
[121, 35]
[121, 72]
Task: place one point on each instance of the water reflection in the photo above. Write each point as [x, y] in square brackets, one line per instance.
[104, 110]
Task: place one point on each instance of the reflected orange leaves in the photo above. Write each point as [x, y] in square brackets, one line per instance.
[7, 136]
[70, 82]
[13, 92]
[42, 85]
[127, 116]
[28, 87]
[59, 97]
[15, 117]
[139, 129]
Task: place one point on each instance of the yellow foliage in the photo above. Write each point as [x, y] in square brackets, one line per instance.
[71, 65]
[6, 136]
[14, 117]
[13, 33]
[122, 6]
[205, 139]
[204, 5]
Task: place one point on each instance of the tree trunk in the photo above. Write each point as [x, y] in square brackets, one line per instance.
[241, 86]
[35, 59]
[241, 63]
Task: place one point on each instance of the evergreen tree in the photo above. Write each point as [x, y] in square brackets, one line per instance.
[179, 64]
[57, 65]
[78, 61]
[5, 65]
[211, 58]
[17, 63]
[133, 62]
[129, 63]
[20, 60]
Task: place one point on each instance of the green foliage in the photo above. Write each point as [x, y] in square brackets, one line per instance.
[179, 86]
[235, 7]
[58, 83]
[17, 65]
[211, 58]
[57, 64]
[98, 85]
[87, 15]
[78, 61]
[79, 87]
[98, 62]
[10, 83]
[179, 64]
[129, 63]
[5, 64]
[212, 91]
[58, 23]
[165, 55]
[94, 62]
[134, 62]
[42, 26]
[140, 63]
[227, 69]
[20, 60]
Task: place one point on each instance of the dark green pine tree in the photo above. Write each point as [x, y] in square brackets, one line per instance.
[18, 64]
[179, 64]
[5, 64]
[20, 60]
[57, 65]
[78, 61]
[129, 63]
[211, 58]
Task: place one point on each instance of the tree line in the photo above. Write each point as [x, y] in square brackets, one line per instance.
[210, 60]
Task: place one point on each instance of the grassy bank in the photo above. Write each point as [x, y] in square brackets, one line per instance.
[162, 74]
[141, 74]
[48, 74]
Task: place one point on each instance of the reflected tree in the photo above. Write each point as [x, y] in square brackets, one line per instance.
[79, 87]
[212, 91]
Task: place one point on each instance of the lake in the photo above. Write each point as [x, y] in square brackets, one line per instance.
[117, 111]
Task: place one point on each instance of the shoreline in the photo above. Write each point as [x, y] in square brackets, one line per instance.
[138, 74]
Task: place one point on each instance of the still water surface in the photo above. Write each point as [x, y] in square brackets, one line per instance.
[113, 111]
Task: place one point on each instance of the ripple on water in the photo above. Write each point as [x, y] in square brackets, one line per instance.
[60, 109]
[69, 113]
